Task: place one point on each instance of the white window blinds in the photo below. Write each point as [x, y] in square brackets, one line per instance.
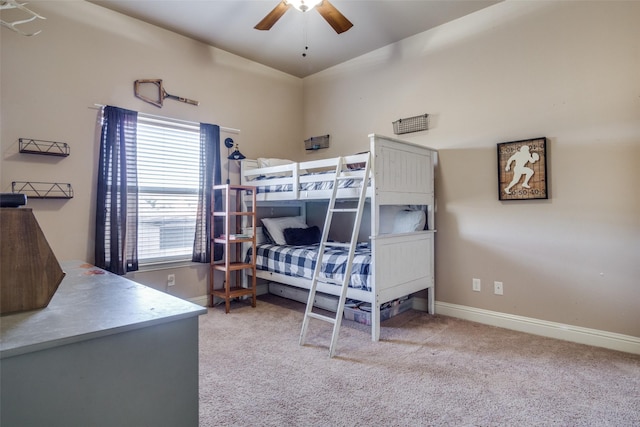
[168, 179]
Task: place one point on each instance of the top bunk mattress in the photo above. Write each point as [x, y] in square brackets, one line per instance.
[263, 184]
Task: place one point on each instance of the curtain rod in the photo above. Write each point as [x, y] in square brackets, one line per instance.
[222, 128]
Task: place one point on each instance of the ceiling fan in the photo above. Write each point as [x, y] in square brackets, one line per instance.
[328, 11]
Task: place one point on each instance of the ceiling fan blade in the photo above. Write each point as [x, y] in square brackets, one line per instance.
[333, 16]
[273, 16]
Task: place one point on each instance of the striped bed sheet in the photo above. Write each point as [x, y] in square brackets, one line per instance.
[300, 261]
[262, 185]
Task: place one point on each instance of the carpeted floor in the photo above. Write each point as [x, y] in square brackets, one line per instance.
[425, 371]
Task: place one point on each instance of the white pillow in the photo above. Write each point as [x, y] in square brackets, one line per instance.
[264, 162]
[409, 221]
[276, 226]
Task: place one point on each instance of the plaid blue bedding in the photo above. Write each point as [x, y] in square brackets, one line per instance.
[264, 187]
[300, 261]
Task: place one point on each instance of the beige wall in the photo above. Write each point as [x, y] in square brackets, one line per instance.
[86, 55]
[565, 70]
[569, 71]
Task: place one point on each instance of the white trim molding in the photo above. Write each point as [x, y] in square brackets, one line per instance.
[594, 337]
[561, 331]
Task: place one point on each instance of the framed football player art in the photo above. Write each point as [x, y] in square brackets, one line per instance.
[522, 169]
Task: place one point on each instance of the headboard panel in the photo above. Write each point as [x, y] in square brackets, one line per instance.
[415, 184]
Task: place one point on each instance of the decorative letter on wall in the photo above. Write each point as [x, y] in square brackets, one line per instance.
[522, 169]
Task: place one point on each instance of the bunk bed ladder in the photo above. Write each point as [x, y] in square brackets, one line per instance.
[342, 173]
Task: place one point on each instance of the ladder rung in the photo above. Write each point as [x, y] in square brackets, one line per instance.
[329, 281]
[350, 177]
[344, 210]
[321, 317]
[338, 244]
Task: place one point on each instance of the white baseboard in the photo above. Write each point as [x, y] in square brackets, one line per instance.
[594, 337]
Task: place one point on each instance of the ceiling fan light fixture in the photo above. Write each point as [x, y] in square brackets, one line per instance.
[304, 5]
[328, 11]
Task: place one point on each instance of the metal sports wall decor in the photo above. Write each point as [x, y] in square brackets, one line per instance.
[154, 93]
[522, 169]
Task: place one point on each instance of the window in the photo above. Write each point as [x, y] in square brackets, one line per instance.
[168, 157]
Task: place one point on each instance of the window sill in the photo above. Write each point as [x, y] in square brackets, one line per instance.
[170, 265]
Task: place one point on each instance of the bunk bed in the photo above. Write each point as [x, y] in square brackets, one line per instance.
[397, 254]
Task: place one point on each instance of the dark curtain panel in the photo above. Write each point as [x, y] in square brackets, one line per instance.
[117, 203]
[209, 175]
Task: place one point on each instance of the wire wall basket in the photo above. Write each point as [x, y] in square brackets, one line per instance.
[316, 142]
[42, 190]
[37, 146]
[411, 124]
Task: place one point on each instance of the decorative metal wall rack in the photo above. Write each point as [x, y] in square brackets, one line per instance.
[51, 148]
[43, 190]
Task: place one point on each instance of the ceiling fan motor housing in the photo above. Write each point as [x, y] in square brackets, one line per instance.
[303, 5]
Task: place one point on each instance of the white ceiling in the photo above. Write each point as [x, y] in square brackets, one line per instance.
[228, 25]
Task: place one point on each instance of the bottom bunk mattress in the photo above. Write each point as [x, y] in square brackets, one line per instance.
[300, 261]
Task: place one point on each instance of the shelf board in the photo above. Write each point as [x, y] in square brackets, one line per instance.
[49, 148]
[43, 190]
[236, 240]
[233, 266]
[234, 292]
[219, 213]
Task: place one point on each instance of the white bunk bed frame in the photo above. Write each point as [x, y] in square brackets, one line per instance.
[401, 174]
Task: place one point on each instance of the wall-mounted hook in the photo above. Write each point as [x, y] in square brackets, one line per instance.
[12, 4]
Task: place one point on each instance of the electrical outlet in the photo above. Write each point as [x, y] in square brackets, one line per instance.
[497, 288]
[171, 279]
[475, 285]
